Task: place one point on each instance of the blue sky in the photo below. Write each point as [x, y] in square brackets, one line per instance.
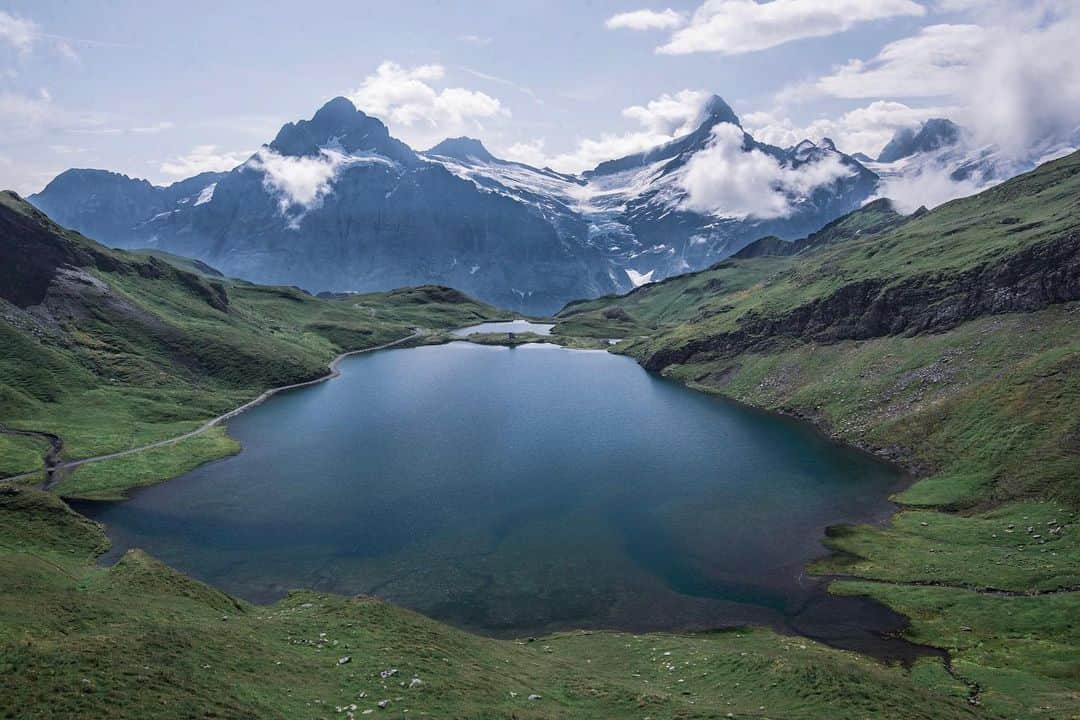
[163, 90]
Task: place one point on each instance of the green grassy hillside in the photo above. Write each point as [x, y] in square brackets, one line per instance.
[949, 343]
[139, 640]
[110, 350]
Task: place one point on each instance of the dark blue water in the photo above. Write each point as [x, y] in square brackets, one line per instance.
[518, 490]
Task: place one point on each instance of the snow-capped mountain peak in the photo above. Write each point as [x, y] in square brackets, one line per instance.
[335, 202]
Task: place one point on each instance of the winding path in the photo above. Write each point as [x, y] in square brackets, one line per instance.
[51, 460]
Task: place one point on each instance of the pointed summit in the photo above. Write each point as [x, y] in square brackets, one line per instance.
[718, 111]
[339, 124]
[934, 134]
[465, 149]
[338, 110]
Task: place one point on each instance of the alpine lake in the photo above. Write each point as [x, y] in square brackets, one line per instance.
[518, 491]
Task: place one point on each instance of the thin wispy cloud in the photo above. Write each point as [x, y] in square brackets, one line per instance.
[154, 129]
[733, 27]
[660, 120]
[18, 32]
[865, 129]
[645, 20]
[204, 158]
[477, 40]
[500, 80]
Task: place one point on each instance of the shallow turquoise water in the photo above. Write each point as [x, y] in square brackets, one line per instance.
[518, 490]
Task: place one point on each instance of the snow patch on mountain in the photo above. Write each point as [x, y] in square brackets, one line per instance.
[939, 161]
[206, 194]
[638, 279]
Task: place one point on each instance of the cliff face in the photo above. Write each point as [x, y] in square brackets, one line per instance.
[1027, 280]
[38, 259]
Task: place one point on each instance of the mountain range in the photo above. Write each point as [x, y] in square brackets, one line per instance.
[335, 203]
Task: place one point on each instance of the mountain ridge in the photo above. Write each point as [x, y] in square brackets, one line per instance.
[369, 213]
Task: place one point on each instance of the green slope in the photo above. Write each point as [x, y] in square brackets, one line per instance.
[949, 343]
[111, 350]
[138, 640]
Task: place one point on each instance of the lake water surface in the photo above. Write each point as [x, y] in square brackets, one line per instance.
[506, 326]
[514, 491]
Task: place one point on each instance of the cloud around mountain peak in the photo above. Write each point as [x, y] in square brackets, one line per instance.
[730, 179]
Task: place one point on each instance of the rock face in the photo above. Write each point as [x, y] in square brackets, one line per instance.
[335, 203]
[934, 134]
[1028, 280]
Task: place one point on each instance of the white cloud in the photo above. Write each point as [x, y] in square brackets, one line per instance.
[726, 180]
[866, 129]
[477, 40]
[204, 158]
[298, 181]
[1024, 87]
[63, 47]
[153, 129]
[406, 98]
[928, 187]
[732, 27]
[590, 152]
[67, 149]
[302, 182]
[22, 115]
[30, 117]
[1016, 75]
[662, 120]
[671, 115]
[501, 81]
[947, 6]
[932, 63]
[645, 20]
[530, 152]
[18, 32]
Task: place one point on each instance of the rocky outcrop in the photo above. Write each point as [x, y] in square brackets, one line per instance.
[37, 256]
[1027, 280]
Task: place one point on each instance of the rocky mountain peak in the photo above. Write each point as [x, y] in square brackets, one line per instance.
[932, 135]
[718, 111]
[466, 149]
[339, 123]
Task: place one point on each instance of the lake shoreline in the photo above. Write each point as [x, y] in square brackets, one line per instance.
[780, 624]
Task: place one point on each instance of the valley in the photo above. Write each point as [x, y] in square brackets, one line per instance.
[896, 334]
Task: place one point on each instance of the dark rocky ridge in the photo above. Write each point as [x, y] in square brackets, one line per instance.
[934, 134]
[36, 256]
[1027, 280]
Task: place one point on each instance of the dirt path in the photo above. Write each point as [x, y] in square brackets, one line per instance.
[53, 467]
